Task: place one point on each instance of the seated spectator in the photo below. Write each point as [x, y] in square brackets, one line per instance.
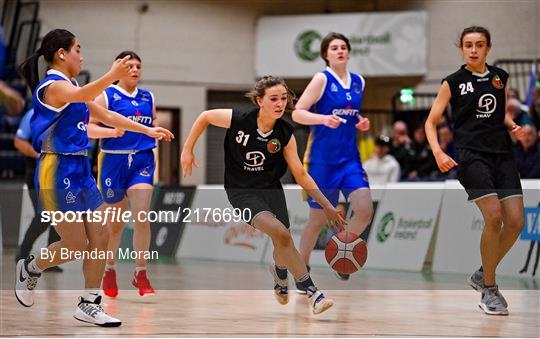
[514, 94]
[425, 166]
[534, 110]
[382, 167]
[11, 102]
[520, 117]
[527, 153]
[400, 148]
[446, 140]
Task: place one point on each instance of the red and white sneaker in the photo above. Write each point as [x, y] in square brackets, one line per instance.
[140, 281]
[110, 289]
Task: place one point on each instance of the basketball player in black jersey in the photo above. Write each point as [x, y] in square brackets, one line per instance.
[487, 169]
[259, 145]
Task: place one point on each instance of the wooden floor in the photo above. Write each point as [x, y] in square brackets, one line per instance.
[450, 310]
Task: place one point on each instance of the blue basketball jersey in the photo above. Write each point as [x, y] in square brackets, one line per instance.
[58, 130]
[137, 106]
[334, 146]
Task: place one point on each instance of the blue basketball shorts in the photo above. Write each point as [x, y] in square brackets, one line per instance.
[346, 177]
[118, 172]
[65, 183]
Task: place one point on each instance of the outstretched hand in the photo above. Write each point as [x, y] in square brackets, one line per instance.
[187, 160]
[160, 133]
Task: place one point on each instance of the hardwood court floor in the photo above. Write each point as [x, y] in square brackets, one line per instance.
[254, 312]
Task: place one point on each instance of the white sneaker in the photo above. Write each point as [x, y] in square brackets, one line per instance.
[319, 302]
[93, 313]
[25, 282]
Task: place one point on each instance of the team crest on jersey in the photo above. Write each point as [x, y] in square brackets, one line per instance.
[144, 97]
[273, 146]
[356, 88]
[116, 97]
[497, 83]
[145, 173]
[70, 197]
[333, 88]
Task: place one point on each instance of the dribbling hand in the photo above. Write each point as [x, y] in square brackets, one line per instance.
[335, 217]
[187, 160]
[444, 161]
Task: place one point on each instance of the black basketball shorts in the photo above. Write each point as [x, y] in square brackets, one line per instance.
[259, 201]
[485, 174]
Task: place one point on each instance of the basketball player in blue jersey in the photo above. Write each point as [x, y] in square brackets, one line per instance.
[63, 178]
[331, 105]
[259, 146]
[487, 169]
[126, 169]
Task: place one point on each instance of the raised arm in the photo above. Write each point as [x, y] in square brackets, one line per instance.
[302, 177]
[444, 161]
[62, 92]
[311, 94]
[215, 117]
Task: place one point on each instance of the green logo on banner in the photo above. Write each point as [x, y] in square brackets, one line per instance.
[304, 45]
[386, 227]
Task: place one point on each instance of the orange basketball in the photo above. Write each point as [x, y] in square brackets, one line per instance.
[346, 253]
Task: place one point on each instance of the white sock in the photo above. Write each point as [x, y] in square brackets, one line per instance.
[33, 267]
[140, 268]
[91, 294]
[110, 267]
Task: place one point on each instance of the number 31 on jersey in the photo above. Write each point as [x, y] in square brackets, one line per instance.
[242, 138]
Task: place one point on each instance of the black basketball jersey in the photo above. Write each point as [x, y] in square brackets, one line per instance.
[478, 108]
[254, 159]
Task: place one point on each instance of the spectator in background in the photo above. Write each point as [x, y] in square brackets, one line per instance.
[534, 110]
[23, 144]
[382, 167]
[11, 102]
[446, 140]
[401, 149]
[520, 117]
[514, 94]
[527, 153]
[424, 165]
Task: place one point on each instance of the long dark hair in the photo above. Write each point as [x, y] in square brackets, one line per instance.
[52, 42]
[268, 81]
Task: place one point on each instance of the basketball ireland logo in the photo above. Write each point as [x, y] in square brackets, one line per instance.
[486, 105]
[497, 83]
[386, 227]
[304, 43]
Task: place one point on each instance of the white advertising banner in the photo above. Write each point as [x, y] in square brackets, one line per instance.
[209, 234]
[298, 210]
[382, 44]
[457, 247]
[403, 226]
